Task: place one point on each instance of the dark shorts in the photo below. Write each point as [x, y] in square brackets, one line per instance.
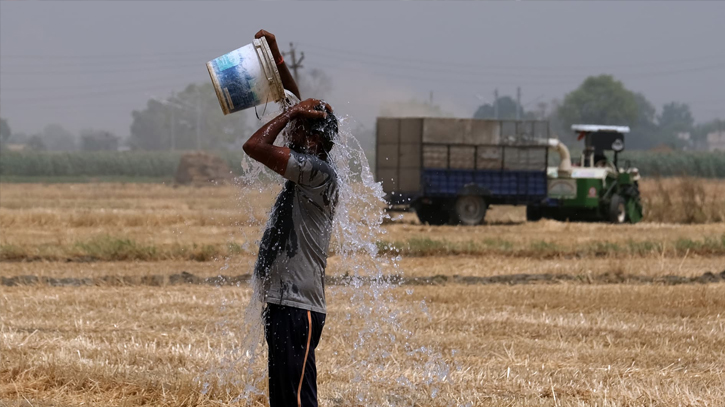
[292, 335]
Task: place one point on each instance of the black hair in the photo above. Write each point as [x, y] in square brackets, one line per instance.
[326, 128]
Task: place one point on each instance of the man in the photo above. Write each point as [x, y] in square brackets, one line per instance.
[293, 252]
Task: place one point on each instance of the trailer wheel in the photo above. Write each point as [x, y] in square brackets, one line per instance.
[432, 214]
[470, 209]
[534, 213]
[617, 209]
[633, 203]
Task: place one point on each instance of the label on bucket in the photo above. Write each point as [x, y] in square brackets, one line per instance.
[227, 61]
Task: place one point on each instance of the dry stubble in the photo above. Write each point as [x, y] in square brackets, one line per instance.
[549, 345]
[609, 345]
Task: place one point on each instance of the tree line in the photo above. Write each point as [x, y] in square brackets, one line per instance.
[187, 120]
[54, 137]
[604, 100]
[163, 164]
[191, 119]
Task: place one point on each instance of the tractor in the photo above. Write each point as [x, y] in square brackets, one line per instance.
[596, 188]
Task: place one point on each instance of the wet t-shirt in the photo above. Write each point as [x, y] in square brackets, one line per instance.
[293, 251]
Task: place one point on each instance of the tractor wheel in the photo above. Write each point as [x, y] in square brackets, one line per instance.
[617, 209]
[470, 210]
[432, 214]
[634, 203]
[533, 213]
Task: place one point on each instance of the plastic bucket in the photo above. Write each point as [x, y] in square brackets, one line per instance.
[246, 77]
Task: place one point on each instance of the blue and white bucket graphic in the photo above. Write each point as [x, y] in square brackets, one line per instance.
[246, 77]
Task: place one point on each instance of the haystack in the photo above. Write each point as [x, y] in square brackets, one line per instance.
[201, 168]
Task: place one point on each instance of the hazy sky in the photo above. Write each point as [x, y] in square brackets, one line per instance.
[83, 64]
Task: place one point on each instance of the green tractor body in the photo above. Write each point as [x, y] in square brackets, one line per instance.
[594, 189]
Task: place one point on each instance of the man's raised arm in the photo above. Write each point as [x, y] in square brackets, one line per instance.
[260, 146]
[287, 80]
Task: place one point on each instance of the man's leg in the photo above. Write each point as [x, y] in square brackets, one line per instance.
[292, 335]
[308, 382]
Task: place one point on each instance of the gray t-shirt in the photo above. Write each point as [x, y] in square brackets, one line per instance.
[293, 252]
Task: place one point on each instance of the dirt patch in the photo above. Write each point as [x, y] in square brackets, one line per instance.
[511, 279]
[201, 168]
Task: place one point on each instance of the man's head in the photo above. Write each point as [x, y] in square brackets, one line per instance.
[314, 136]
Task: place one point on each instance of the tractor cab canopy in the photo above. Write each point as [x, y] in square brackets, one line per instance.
[597, 140]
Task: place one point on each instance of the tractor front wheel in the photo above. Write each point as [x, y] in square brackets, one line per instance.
[617, 209]
[534, 213]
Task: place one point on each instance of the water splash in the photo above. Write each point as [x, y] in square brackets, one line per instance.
[371, 323]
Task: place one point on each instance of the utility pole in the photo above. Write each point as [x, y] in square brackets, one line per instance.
[518, 101]
[173, 128]
[187, 107]
[296, 63]
[430, 100]
[198, 119]
[495, 103]
[173, 121]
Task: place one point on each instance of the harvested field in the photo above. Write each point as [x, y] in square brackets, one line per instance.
[520, 346]
[111, 222]
[122, 305]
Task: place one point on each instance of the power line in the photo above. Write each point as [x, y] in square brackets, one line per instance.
[380, 58]
[713, 101]
[74, 65]
[295, 65]
[106, 56]
[126, 89]
[489, 79]
[482, 79]
[338, 51]
[175, 67]
[96, 86]
[421, 67]
[89, 95]
[532, 101]
[676, 71]
[482, 72]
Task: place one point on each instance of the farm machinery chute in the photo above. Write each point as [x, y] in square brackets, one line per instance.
[596, 188]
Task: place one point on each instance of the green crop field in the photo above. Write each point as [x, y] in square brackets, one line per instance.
[79, 166]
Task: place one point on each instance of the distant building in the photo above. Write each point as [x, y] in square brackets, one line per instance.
[685, 136]
[716, 141]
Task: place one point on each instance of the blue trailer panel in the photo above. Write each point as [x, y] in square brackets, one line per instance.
[515, 187]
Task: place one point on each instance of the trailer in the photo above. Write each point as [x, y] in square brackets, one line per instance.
[451, 170]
